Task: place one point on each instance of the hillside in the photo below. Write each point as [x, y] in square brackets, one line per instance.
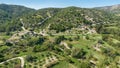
[9, 15]
[73, 17]
[111, 9]
[12, 11]
[65, 18]
[70, 17]
[70, 37]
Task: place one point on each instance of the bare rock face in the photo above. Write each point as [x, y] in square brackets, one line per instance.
[113, 9]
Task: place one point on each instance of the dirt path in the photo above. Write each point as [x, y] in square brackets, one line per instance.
[65, 44]
[21, 59]
[97, 47]
[43, 20]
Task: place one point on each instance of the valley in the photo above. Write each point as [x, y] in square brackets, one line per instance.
[70, 37]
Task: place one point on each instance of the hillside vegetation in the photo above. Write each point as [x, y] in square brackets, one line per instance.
[70, 37]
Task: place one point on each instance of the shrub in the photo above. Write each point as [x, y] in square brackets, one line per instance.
[30, 58]
[59, 39]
